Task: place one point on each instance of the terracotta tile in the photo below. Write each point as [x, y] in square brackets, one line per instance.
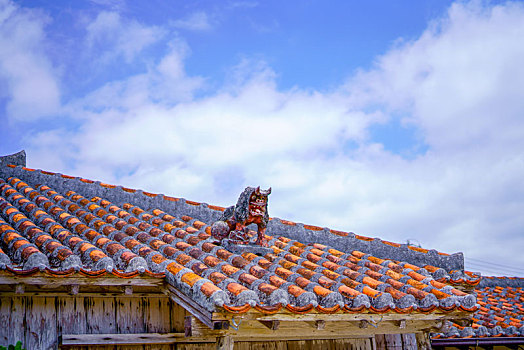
[133, 228]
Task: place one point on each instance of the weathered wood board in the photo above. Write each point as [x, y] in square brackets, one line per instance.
[72, 315]
[396, 341]
[5, 315]
[40, 326]
[39, 321]
[380, 341]
[409, 341]
[393, 341]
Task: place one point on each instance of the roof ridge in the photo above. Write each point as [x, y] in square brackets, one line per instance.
[501, 281]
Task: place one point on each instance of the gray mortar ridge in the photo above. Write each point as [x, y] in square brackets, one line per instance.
[241, 248]
[481, 331]
[203, 213]
[18, 158]
[376, 247]
[514, 282]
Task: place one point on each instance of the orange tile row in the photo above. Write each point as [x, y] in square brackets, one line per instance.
[501, 313]
[322, 285]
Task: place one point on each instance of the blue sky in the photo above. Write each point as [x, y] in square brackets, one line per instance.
[398, 120]
[307, 43]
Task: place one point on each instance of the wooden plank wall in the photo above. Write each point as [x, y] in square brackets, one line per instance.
[326, 344]
[396, 341]
[37, 321]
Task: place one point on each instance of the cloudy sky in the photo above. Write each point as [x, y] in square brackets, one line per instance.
[398, 120]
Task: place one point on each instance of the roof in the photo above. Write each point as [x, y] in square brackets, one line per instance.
[60, 225]
[501, 311]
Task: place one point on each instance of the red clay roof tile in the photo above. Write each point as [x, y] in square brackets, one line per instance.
[500, 313]
[130, 240]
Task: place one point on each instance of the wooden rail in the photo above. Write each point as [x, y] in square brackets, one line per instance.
[120, 339]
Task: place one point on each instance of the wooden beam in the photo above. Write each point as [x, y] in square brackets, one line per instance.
[289, 337]
[252, 329]
[198, 311]
[120, 339]
[195, 339]
[273, 325]
[82, 294]
[285, 315]
[43, 279]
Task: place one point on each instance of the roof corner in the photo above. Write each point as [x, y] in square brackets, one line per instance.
[18, 158]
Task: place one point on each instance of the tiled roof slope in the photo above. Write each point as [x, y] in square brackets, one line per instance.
[501, 312]
[443, 267]
[60, 232]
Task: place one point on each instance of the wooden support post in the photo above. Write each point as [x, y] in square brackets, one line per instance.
[273, 325]
[320, 324]
[225, 343]
[187, 326]
[423, 342]
[19, 289]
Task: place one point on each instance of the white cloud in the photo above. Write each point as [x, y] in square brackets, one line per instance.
[114, 36]
[197, 21]
[116, 5]
[164, 83]
[458, 84]
[464, 72]
[32, 84]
